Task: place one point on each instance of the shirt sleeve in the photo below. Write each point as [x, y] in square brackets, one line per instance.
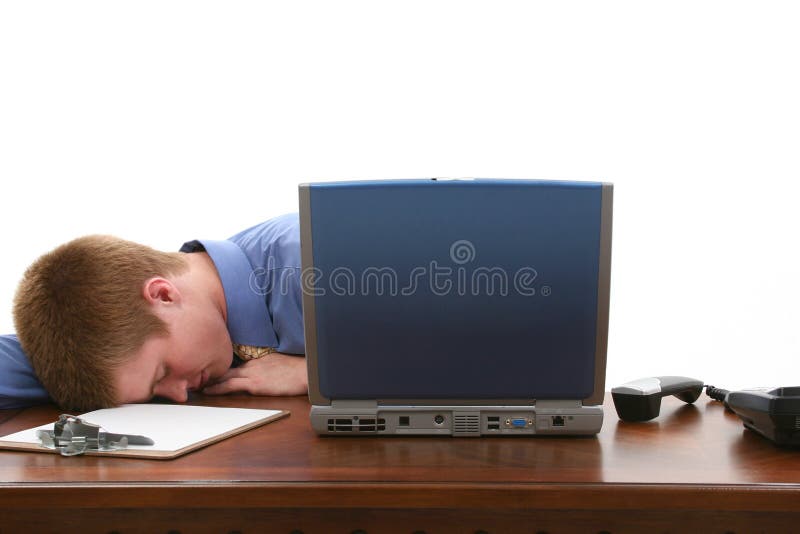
[286, 307]
[19, 387]
[273, 248]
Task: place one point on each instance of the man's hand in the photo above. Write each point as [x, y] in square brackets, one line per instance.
[274, 375]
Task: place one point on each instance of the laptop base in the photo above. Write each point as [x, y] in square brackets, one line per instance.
[545, 418]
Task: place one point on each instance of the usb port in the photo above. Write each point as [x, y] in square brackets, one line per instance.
[494, 426]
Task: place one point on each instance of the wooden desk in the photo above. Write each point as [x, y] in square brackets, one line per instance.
[694, 469]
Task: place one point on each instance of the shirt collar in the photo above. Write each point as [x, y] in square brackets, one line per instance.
[249, 322]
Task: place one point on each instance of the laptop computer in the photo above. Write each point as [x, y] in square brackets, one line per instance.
[468, 307]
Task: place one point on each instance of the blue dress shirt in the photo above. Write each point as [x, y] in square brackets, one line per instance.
[19, 387]
[260, 273]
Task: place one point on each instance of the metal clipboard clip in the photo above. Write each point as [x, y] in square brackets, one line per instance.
[72, 436]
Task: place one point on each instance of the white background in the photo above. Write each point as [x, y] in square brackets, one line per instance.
[166, 121]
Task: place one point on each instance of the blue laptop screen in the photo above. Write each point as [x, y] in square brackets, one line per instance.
[447, 289]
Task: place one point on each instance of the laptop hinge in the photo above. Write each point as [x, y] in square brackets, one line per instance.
[558, 404]
[354, 404]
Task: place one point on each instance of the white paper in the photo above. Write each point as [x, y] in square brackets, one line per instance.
[171, 426]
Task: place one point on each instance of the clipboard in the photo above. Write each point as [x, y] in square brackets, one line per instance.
[175, 429]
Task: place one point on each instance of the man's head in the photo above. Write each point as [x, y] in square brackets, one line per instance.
[105, 321]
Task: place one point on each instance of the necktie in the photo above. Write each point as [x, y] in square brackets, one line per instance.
[249, 352]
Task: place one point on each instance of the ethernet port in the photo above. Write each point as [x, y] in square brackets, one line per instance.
[404, 421]
[558, 420]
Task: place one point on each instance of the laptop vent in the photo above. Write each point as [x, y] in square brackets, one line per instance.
[466, 424]
[797, 422]
[356, 424]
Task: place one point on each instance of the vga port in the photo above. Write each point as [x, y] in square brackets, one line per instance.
[517, 422]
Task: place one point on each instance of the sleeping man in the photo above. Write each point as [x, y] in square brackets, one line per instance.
[102, 321]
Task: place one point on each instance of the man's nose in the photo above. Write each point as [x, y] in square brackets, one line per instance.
[173, 389]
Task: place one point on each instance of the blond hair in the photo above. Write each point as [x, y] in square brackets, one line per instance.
[80, 313]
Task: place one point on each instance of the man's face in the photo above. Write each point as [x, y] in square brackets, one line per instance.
[195, 353]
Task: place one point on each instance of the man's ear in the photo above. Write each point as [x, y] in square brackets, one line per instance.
[159, 291]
